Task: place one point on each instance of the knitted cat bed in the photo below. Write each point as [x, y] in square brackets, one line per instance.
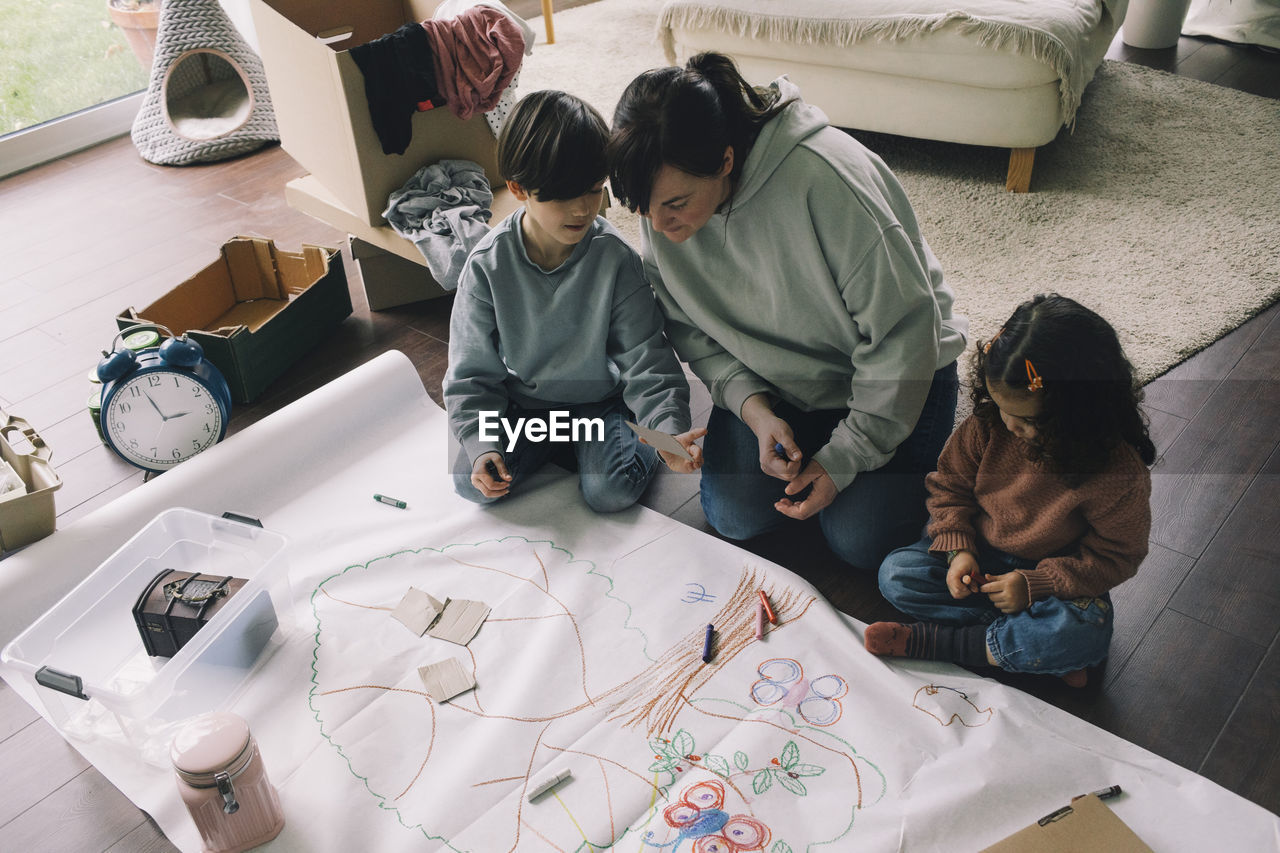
[207, 98]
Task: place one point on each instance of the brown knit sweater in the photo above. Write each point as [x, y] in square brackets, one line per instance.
[986, 489]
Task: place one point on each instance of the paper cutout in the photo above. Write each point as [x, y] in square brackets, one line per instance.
[460, 621]
[454, 621]
[417, 611]
[446, 679]
[661, 440]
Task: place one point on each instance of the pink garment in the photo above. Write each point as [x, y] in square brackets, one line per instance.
[476, 55]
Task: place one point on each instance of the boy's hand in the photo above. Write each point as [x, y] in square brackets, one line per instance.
[964, 578]
[779, 454]
[490, 476]
[678, 463]
[1008, 592]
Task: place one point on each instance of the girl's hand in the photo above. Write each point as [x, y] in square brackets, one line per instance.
[490, 476]
[678, 463]
[824, 492]
[964, 578]
[1008, 592]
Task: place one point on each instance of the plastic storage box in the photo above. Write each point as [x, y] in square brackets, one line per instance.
[86, 657]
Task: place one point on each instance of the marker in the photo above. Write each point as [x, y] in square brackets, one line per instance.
[706, 644]
[768, 611]
[391, 501]
[759, 621]
[562, 776]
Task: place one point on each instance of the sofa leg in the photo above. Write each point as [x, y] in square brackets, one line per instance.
[1020, 162]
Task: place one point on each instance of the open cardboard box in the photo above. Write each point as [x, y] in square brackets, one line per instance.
[317, 92]
[24, 518]
[256, 310]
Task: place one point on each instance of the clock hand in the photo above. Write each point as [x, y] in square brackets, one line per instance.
[154, 406]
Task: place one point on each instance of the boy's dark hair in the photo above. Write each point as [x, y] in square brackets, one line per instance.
[684, 117]
[553, 145]
[1087, 384]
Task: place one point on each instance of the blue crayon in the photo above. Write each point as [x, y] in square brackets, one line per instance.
[706, 644]
[780, 450]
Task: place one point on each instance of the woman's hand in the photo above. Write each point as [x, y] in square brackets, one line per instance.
[824, 492]
[678, 463]
[772, 433]
[964, 578]
[490, 476]
[1008, 592]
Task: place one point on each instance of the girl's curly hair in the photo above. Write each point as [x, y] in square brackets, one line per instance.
[1090, 396]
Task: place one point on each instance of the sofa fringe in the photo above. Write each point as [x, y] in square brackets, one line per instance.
[844, 32]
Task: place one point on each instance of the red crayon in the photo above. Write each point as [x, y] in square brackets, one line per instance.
[768, 611]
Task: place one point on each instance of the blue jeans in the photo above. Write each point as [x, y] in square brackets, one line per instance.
[879, 511]
[612, 473]
[1053, 636]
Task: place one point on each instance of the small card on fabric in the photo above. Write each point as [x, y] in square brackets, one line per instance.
[418, 611]
[446, 679]
[661, 440]
[460, 621]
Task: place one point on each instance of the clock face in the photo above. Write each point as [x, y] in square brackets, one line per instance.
[159, 418]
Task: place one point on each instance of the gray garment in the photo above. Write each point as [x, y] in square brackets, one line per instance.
[444, 210]
[580, 333]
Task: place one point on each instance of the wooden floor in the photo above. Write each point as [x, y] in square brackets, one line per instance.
[1194, 673]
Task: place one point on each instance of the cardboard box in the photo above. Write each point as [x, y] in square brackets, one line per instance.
[317, 92]
[390, 280]
[256, 310]
[27, 517]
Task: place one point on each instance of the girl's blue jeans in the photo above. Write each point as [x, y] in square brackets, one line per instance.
[1053, 636]
[879, 511]
[612, 473]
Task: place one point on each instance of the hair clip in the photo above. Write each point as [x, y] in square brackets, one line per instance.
[987, 347]
[1035, 383]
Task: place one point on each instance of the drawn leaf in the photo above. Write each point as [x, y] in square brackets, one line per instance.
[662, 747]
[762, 782]
[790, 755]
[716, 765]
[808, 770]
[780, 847]
[682, 743]
[795, 786]
[665, 766]
[740, 759]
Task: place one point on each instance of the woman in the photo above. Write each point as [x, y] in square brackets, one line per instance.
[795, 283]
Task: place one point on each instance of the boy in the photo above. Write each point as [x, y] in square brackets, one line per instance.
[555, 333]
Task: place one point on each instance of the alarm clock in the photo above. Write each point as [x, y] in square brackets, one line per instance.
[161, 406]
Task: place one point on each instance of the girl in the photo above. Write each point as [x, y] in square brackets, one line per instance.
[795, 281]
[1039, 506]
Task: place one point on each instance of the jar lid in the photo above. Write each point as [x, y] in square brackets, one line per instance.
[208, 744]
[144, 339]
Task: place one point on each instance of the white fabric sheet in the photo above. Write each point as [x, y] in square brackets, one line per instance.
[590, 661]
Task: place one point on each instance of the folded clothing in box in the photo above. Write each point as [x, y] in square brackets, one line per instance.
[256, 310]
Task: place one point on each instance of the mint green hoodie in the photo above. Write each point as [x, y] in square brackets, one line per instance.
[812, 284]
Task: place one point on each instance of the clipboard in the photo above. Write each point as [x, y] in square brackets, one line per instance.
[1084, 825]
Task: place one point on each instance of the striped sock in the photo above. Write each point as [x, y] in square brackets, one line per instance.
[928, 641]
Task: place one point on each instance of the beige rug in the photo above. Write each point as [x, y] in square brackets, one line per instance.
[1161, 211]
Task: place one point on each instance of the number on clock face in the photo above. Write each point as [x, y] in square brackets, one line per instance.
[161, 418]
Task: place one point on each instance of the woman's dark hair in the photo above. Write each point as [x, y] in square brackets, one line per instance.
[684, 117]
[553, 145]
[1086, 382]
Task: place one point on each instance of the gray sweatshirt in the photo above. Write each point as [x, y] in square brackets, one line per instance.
[585, 331]
[814, 285]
